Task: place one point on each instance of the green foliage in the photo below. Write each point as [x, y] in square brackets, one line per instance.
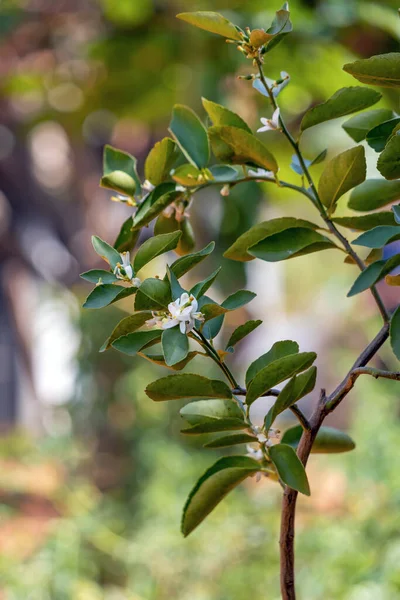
[153, 294]
[240, 249]
[297, 387]
[374, 193]
[360, 125]
[366, 222]
[231, 440]
[187, 385]
[340, 175]
[119, 171]
[133, 342]
[241, 332]
[374, 273]
[343, 102]
[382, 70]
[278, 350]
[389, 161]
[328, 441]
[160, 161]
[213, 486]
[378, 237]
[222, 116]
[175, 346]
[155, 246]
[190, 135]
[103, 295]
[276, 372]
[290, 243]
[289, 467]
[107, 252]
[213, 22]
[128, 325]
[169, 317]
[236, 146]
[378, 136]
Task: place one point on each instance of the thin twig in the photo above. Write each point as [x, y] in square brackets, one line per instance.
[301, 417]
[315, 196]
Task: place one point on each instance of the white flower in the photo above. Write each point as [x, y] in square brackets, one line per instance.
[270, 124]
[256, 454]
[275, 86]
[180, 188]
[260, 173]
[123, 270]
[182, 312]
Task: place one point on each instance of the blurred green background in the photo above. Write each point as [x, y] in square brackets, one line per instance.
[93, 474]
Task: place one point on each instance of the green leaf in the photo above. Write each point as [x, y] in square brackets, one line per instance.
[374, 273]
[187, 386]
[127, 237]
[261, 231]
[366, 222]
[119, 171]
[378, 236]
[396, 213]
[221, 116]
[328, 441]
[127, 325]
[211, 329]
[213, 486]
[395, 332]
[155, 203]
[382, 70]
[188, 175]
[175, 346]
[191, 135]
[343, 102]
[240, 147]
[96, 274]
[155, 246]
[176, 288]
[160, 161]
[200, 288]
[241, 332]
[133, 342]
[297, 387]
[158, 359]
[340, 175]
[374, 193]
[278, 371]
[153, 294]
[107, 252]
[280, 27]
[238, 299]
[103, 295]
[358, 126]
[213, 22]
[186, 263]
[208, 411]
[290, 468]
[278, 350]
[290, 244]
[212, 310]
[389, 161]
[223, 173]
[231, 440]
[379, 135]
